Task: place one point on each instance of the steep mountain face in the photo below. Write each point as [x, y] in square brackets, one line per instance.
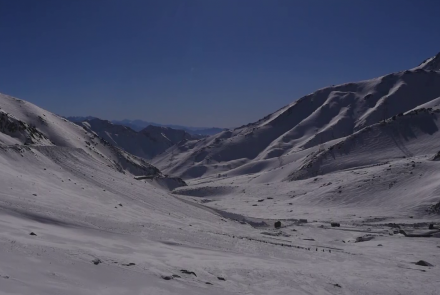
[26, 128]
[146, 144]
[329, 114]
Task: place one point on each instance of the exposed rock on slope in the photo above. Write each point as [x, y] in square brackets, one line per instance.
[15, 131]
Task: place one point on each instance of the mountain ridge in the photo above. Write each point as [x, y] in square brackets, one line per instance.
[147, 143]
[26, 128]
[138, 125]
[327, 114]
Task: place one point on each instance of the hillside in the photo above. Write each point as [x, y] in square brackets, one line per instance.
[26, 127]
[329, 114]
[415, 133]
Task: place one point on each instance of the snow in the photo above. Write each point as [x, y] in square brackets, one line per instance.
[107, 222]
[152, 229]
[328, 114]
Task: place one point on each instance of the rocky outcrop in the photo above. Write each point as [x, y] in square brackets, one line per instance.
[25, 133]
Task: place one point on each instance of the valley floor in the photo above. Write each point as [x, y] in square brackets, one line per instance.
[98, 231]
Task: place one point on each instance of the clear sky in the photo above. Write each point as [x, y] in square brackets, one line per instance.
[202, 62]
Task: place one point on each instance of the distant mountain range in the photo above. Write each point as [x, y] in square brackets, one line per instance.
[138, 125]
[146, 143]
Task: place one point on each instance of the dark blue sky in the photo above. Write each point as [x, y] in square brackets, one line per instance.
[202, 62]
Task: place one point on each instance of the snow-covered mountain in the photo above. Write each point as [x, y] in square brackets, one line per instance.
[146, 144]
[311, 122]
[25, 127]
[322, 197]
[411, 134]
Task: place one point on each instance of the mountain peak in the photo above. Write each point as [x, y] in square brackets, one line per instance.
[431, 64]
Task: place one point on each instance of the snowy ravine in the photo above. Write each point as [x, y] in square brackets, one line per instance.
[358, 212]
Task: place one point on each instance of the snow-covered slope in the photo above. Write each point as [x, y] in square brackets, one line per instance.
[72, 225]
[22, 123]
[328, 114]
[415, 133]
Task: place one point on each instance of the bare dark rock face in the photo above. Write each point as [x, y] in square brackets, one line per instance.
[188, 272]
[434, 209]
[96, 261]
[423, 263]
